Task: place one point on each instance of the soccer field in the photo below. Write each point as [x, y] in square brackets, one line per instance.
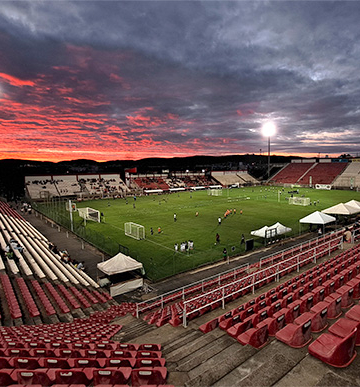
[255, 207]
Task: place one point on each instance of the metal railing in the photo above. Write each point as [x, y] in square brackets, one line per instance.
[250, 282]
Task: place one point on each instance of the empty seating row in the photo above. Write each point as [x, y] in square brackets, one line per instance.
[84, 376]
[337, 347]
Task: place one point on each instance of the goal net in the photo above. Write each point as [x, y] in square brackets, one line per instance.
[299, 201]
[89, 214]
[134, 230]
[215, 192]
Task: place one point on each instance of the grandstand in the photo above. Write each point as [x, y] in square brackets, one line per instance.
[165, 182]
[229, 178]
[309, 172]
[83, 186]
[350, 178]
[292, 172]
[244, 326]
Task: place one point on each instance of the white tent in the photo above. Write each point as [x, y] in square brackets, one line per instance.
[271, 231]
[341, 209]
[353, 203]
[318, 217]
[120, 263]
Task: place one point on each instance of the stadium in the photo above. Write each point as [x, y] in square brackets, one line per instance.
[280, 302]
[179, 193]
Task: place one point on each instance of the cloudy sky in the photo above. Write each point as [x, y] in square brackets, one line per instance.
[110, 80]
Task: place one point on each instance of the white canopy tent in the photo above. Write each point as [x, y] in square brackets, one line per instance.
[122, 263]
[271, 231]
[318, 218]
[353, 203]
[341, 209]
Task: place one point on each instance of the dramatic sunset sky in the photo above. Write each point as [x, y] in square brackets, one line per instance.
[128, 80]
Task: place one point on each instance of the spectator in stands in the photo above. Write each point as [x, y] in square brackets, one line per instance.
[81, 265]
[319, 231]
[347, 235]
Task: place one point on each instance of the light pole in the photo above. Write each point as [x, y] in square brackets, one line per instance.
[268, 130]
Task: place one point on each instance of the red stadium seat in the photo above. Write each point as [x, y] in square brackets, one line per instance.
[353, 313]
[294, 335]
[334, 306]
[319, 320]
[111, 376]
[334, 350]
[209, 326]
[143, 376]
[38, 376]
[346, 293]
[344, 326]
[240, 327]
[256, 337]
[28, 363]
[71, 376]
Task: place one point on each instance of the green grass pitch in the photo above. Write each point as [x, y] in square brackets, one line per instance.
[259, 205]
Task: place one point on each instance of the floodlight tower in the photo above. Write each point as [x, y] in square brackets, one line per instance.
[268, 130]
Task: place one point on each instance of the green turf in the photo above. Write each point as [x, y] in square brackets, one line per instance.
[259, 205]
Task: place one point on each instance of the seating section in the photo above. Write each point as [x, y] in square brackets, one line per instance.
[300, 173]
[293, 311]
[350, 178]
[208, 295]
[228, 178]
[291, 173]
[83, 186]
[322, 173]
[79, 353]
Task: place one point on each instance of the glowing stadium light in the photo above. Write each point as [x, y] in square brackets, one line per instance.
[268, 130]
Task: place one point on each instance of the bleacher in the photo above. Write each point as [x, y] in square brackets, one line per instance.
[183, 305]
[322, 173]
[293, 311]
[291, 173]
[228, 178]
[82, 186]
[56, 327]
[350, 178]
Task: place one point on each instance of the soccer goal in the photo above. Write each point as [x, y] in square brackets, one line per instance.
[215, 192]
[134, 230]
[299, 201]
[88, 213]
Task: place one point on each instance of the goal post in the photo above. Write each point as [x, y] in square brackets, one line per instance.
[134, 230]
[215, 192]
[299, 201]
[88, 213]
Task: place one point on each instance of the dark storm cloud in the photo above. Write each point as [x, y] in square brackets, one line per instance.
[188, 73]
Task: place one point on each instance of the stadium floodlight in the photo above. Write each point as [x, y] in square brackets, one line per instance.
[268, 130]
